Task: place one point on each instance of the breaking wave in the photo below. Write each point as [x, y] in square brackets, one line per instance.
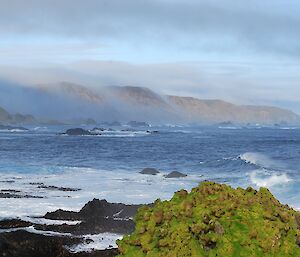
[257, 159]
[262, 179]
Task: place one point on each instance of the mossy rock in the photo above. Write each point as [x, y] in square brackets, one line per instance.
[215, 220]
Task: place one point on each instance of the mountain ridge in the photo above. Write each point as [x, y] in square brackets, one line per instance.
[66, 100]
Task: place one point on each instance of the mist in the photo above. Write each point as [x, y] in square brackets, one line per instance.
[243, 53]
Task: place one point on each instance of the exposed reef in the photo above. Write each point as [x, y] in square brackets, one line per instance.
[97, 216]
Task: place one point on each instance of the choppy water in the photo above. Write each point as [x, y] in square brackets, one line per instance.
[107, 166]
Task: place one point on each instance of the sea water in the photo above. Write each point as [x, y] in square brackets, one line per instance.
[108, 166]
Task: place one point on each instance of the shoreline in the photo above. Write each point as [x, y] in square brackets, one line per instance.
[92, 231]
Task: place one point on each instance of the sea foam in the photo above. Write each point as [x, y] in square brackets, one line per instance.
[264, 180]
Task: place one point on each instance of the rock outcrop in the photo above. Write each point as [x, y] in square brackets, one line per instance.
[149, 171]
[175, 174]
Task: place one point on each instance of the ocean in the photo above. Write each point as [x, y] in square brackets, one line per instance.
[108, 166]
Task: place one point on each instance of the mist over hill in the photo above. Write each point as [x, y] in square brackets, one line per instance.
[68, 101]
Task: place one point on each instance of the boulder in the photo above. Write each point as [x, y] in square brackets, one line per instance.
[149, 171]
[25, 244]
[175, 174]
[77, 132]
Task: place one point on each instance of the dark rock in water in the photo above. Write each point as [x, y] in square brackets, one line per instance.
[175, 174]
[16, 195]
[7, 127]
[36, 183]
[25, 244]
[97, 216]
[77, 132]
[7, 181]
[10, 191]
[62, 215]
[14, 223]
[99, 208]
[97, 130]
[149, 171]
[66, 189]
[152, 132]
[83, 132]
[128, 130]
[105, 209]
[95, 225]
[138, 124]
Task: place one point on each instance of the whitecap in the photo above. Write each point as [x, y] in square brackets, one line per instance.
[99, 242]
[263, 180]
[257, 159]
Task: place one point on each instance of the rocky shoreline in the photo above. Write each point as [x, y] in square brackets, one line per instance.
[64, 229]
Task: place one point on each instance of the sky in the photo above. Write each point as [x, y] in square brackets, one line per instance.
[246, 52]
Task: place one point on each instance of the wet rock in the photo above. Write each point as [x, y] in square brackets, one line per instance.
[175, 174]
[25, 244]
[15, 195]
[95, 225]
[97, 216]
[77, 132]
[14, 223]
[10, 191]
[149, 171]
[97, 130]
[152, 131]
[12, 128]
[62, 215]
[65, 189]
[36, 183]
[7, 181]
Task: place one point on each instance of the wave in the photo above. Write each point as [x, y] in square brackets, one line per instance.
[99, 242]
[16, 130]
[229, 127]
[257, 159]
[262, 179]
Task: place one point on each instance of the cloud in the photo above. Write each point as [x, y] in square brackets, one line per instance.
[241, 51]
[238, 83]
[195, 27]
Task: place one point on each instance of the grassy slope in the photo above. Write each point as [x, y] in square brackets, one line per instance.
[215, 220]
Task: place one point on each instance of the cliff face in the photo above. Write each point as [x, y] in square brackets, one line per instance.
[143, 102]
[215, 220]
[194, 109]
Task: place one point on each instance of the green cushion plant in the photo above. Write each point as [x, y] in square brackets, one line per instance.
[215, 220]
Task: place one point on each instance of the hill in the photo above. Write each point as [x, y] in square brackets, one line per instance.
[67, 101]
